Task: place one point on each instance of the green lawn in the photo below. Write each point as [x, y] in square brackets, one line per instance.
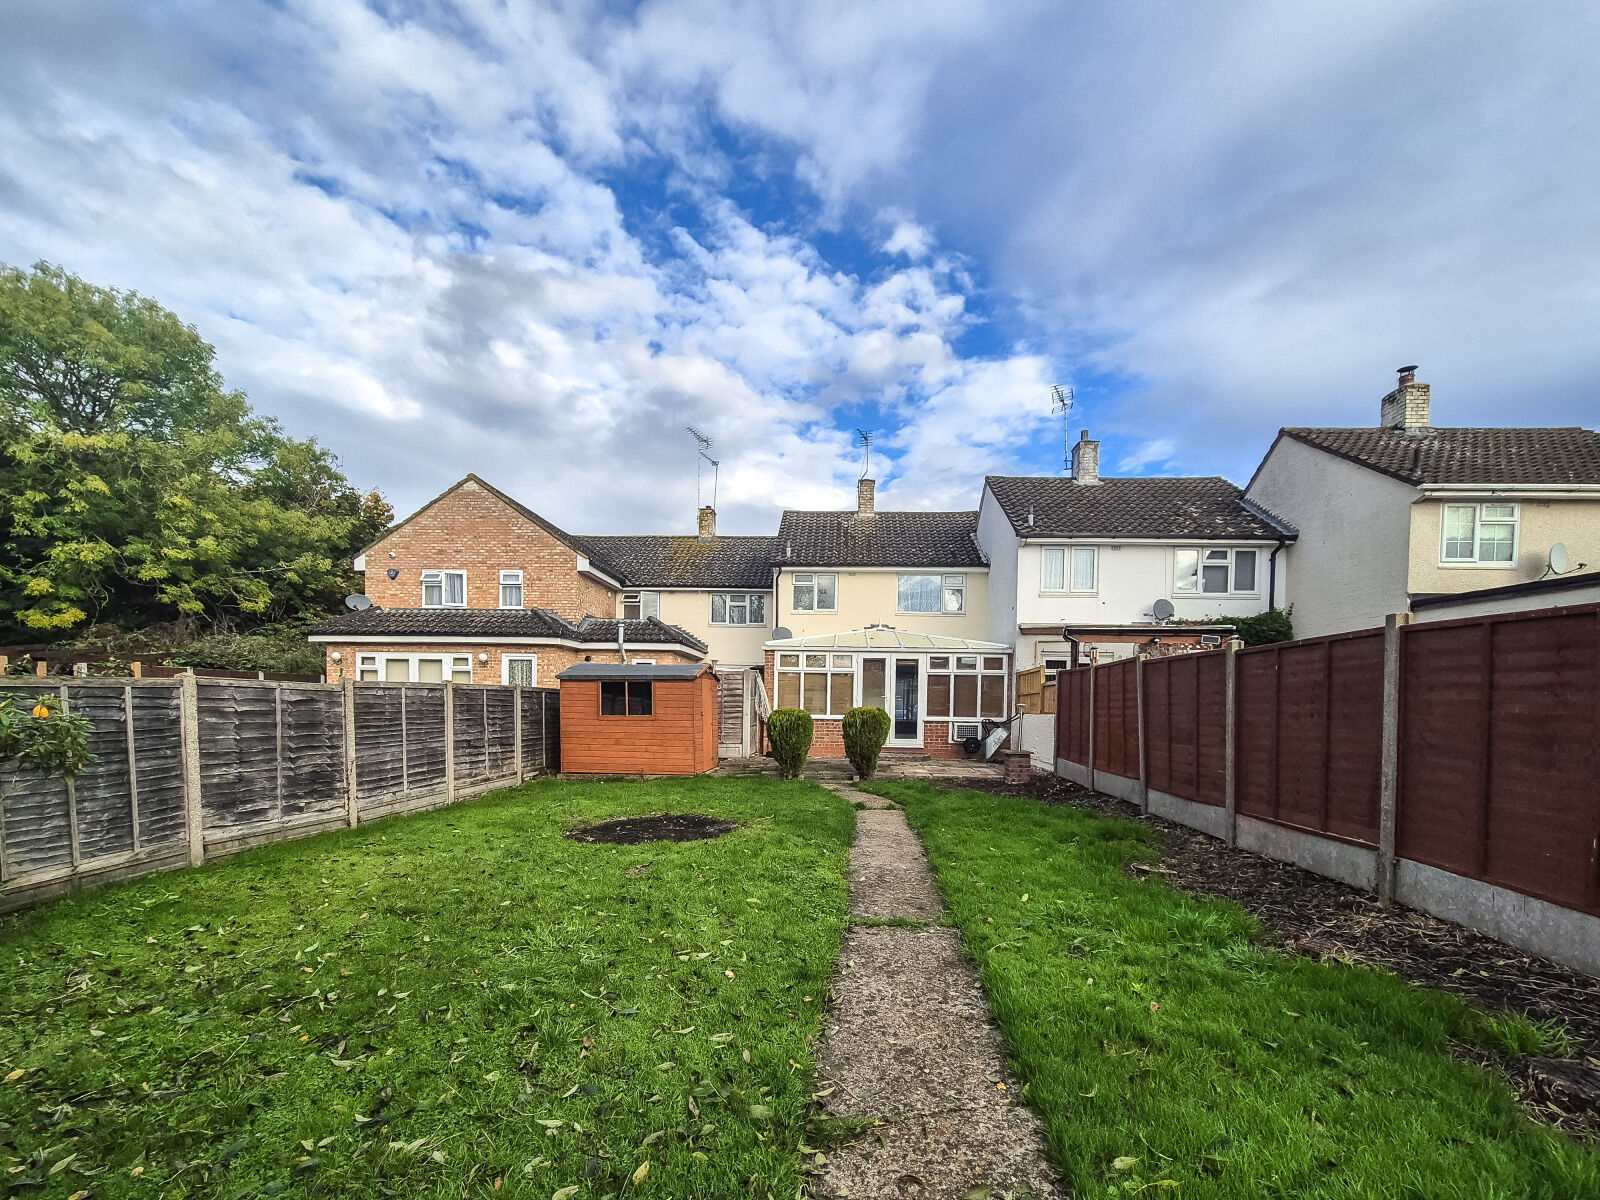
[1167, 1049]
[454, 1004]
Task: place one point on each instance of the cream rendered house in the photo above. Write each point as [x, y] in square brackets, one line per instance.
[1406, 510]
[887, 609]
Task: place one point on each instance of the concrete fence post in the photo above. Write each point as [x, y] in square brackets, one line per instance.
[189, 724]
[516, 732]
[1230, 738]
[1389, 763]
[352, 806]
[1138, 704]
[449, 743]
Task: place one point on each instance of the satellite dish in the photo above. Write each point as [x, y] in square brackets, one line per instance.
[1162, 610]
[358, 602]
[780, 633]
[1558, 558]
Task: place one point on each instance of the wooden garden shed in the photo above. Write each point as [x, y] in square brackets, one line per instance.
[638, 719]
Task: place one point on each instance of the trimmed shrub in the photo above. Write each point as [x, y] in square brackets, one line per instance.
[789, 730]
[865, 731]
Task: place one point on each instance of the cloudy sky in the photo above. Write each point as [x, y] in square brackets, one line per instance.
[536, 240]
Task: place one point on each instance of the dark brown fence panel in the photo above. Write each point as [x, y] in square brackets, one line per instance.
[1116, 719]
[1499, 722]
[1255, 704]
[1072, 715]
[1185, 715]
[1355, 737]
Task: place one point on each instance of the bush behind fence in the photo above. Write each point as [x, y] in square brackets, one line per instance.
[191, 768]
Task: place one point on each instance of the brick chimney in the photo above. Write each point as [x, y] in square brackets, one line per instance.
[1086, 460]
[708, 524]
[1407, 406]
[866, 497]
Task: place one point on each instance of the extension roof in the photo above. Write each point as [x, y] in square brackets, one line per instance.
[808, 538]
[669, 561]
[1201, 509]
[1556, 455]
[523, 623]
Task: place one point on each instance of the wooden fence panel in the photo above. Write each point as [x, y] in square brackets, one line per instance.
[1185, 715]
[311, 753]
[1158, 739]
[101, 793]
[471, 734]
[500, 715]
[158, 759]
[1256, 732]
[238, 755]
[1116, 728]
[381, 722]
[1355, 737]
[425, 737]
[1499, 722]
[1072, 715]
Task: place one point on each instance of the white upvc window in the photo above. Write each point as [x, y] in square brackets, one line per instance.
[738, 608]
[822, 684]
[1069, 569]
[510, 589]
[636, 606]
[414, 668]
[1479, 534]
[816, 593]
[966, 686]
[444, 589]
[1215, 572]
[932, 594]
[519, 669]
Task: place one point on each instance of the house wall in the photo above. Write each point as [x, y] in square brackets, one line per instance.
[730, 645]
[552, 660]
[678, 738]
[998, 542]
[1350, 560]
[1540, 524]
[871, 597]
[472, 530]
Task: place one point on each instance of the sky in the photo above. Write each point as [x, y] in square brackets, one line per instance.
[536, 242]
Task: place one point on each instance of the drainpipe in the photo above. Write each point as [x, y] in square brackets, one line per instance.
[1272, 574]
[1075, 645]
[622, 640]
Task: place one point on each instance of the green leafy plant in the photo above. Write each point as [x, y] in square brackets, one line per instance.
[1261, 629]
[790, 731]
[37, 735]
[865, 731]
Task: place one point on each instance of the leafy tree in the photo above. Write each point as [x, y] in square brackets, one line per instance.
[135, 488]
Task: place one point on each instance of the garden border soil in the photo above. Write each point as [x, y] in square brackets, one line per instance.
[657, 827]
[1307, 914]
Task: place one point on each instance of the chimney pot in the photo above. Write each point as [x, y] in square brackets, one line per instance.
[1086, 460]
[708, 524]
[866, 497]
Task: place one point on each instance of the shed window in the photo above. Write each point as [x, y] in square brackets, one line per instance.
[626, 698]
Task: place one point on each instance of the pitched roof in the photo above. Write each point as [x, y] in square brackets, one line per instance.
[538, 623]
[1556, 455]
[623, 671]
[1203, 508]
[669, 561]
[884, 539]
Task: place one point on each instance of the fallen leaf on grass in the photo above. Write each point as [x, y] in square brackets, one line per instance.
[1124, 1163]
[565, 1193]
[641, 1171]
[15, 1075]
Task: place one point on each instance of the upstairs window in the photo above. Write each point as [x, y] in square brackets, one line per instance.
[1214, 572]
[444, 589]
[738, 608]
[933, 594]
[510, 589]
[636, 606]
[816, 593]
[1480, 533]
[1057, 561]
[626, 698]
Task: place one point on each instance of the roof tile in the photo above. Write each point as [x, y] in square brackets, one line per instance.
[884, 539]
[1555, 455]
[1204, 508]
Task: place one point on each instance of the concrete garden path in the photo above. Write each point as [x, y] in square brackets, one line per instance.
[910, 1044]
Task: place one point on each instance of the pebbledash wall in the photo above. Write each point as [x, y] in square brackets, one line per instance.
[1449, 765]
[190, 769]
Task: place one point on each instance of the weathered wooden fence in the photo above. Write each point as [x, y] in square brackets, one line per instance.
[189, 769]
[1450, 765]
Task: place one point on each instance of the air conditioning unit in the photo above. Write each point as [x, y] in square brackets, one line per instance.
[961, 731]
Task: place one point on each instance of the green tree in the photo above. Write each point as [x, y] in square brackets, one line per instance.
[135, 488]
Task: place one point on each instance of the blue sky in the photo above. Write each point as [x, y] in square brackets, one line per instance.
[535, 242]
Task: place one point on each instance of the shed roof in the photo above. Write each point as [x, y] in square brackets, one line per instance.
[639, 671]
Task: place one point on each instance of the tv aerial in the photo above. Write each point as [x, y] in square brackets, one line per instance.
[1061, 405]
[864, 441]
[703, 456]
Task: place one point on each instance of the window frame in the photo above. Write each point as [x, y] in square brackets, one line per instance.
[830, 669]
[943, 585]
[812, 580]
[439, 577]
[511, 579]
[505, 668]
[979, 671]
[1477, 560]
[450, 665]
[628, 687]
[1201, 552]
[1068, 553]
[637, 598]
[727, 599]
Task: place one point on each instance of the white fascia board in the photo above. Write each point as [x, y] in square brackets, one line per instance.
[836, 570]
[1065, 540]
[360, 563]
[585, 567]
[1538, 491]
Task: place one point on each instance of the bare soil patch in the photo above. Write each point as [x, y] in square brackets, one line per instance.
[658, 827]
[1321, 918]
